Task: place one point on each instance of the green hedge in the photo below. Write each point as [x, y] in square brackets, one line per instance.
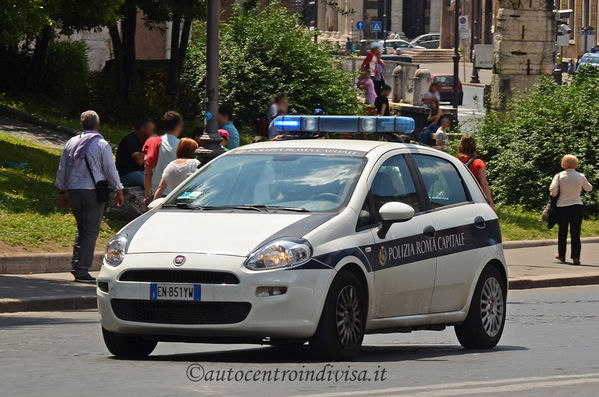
[523, 146]
[67, 72]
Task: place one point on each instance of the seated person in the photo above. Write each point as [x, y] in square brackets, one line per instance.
[129, 155]
[432, 123]
[441, 139]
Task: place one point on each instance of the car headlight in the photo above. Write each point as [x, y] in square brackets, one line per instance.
[285, 252]
[116, 249]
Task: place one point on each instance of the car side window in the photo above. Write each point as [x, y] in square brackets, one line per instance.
[393, 182]
[442, 181]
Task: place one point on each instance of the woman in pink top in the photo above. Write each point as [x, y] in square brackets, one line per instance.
[365, 83]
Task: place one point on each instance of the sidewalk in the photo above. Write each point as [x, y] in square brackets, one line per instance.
[533, 267]
[536, 267]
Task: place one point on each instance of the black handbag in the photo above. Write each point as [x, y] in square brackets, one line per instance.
[550, 212]
[102, 189]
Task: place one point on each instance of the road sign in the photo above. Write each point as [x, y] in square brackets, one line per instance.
[464, 27]
[360, 25]
[377, 26]
[483, 56]
[590, 40]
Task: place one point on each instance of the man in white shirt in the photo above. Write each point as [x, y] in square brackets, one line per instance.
[86, 159]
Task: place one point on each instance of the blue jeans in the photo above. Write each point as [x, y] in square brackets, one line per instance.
[135, 178]
[423, 136]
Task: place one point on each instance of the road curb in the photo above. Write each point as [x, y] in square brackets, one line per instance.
[49, 303]
[542, 243]
[8, 111]
[553, 282]
[480, 85]
[42, 263]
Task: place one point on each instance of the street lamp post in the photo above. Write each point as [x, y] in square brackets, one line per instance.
[385, 27]
[473, 40]
[210, 139]
[456, 55]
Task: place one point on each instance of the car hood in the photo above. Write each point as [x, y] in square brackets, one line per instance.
[219, 233]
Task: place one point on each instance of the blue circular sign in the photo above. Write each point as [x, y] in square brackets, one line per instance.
[208, 115]
[463, 20]
[360, 25]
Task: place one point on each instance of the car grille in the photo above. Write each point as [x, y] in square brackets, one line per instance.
[178, 312]
[179, 276]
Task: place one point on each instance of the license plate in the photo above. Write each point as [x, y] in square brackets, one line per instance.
[179, 292]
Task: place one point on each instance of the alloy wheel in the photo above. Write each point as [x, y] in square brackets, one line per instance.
[349, 324]
[491, 306]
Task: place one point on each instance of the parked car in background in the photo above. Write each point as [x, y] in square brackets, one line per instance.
[445, 83]
[429, 40]
[399, 44]
[590, 59]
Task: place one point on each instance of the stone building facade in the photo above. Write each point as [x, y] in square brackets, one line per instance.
[525, 36]
[409, 18]
[576, 23]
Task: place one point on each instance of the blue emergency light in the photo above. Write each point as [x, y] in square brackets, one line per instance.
[295, 125]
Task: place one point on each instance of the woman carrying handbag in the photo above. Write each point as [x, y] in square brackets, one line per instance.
[566, 186]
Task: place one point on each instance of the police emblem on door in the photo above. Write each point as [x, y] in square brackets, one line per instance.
[382, 256]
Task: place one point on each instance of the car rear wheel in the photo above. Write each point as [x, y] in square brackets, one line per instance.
[483, 326]
[127, 346]
[341, 328]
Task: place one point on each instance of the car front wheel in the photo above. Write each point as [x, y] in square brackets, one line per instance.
[341, 328]
[128, 346]
[483, 326]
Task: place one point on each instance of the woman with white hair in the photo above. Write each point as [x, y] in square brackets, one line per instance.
[567, 186]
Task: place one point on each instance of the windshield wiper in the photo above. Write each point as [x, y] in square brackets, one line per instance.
[280, 208]
[186, 206]
[230, 207]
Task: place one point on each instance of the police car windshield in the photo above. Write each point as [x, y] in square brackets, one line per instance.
[274, 182]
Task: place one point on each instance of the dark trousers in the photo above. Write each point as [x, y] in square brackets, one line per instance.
[572, 216]
[88, 214]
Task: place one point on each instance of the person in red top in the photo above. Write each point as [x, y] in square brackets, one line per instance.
[373, 58]
[467, 155]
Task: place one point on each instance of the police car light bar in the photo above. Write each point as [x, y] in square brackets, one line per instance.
[295, 125]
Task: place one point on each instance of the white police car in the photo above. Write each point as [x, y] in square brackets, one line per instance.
[310, 240]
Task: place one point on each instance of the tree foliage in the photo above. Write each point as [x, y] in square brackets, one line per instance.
[21, 19]
[264, 51]
[523, 147]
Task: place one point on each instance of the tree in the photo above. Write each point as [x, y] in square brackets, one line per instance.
[524, 145]
[264, 51]
[181, 13]
[27, 19]
[123, 44]
[62, 15]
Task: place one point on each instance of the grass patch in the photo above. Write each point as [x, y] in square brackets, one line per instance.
[49, 109]
[519, 224]
[30, 215]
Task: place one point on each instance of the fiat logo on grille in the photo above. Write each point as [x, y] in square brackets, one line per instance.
[179, 260]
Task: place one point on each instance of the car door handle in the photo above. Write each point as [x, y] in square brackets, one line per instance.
[429, 232]
[479, 222]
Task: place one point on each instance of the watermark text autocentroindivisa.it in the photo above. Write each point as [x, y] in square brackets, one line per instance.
[326, 373]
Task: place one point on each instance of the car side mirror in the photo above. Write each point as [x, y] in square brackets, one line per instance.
[394, 212]
[156, 203]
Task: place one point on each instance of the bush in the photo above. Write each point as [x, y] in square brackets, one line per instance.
[523, 146]
[67, 74]
[264, 51]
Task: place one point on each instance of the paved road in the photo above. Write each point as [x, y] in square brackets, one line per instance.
[549, 348]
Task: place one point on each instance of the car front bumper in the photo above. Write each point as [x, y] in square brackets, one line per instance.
[293, 315]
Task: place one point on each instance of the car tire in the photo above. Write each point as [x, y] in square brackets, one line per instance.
[128, 346]
[484, 324]
[342, 322]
